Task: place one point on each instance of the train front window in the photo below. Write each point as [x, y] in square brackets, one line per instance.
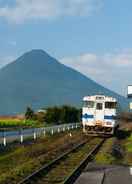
[110, 105]
[89, 104]
[99, 106]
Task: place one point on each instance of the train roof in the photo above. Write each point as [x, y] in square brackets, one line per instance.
[99, 97]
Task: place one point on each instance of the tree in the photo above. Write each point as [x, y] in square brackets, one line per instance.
[29, 114]
[52, 115]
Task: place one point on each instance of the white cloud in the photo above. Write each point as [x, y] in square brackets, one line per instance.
[112, 70]
[46, 9]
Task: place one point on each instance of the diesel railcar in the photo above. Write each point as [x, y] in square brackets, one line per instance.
[99, 114]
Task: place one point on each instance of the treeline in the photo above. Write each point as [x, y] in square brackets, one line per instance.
[64, 114]
[55, 115]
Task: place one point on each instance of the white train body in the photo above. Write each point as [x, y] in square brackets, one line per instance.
[98, 114]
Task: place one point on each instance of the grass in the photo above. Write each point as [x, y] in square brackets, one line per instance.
[104, 156]
[128, 149]
[21, 161]
[128, 144]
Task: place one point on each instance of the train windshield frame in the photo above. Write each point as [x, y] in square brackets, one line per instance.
[110, 105]
[89, 104]
[99, 106]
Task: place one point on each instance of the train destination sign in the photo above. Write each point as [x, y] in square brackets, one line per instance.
[129, 91]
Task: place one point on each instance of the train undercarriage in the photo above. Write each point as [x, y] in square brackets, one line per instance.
[99, 130]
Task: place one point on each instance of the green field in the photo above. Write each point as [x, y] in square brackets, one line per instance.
[16, 123]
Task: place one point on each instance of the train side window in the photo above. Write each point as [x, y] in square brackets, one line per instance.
[110, 105]
[99, 106]
[89, 104]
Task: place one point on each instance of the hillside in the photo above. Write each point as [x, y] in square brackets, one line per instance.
[39, 80]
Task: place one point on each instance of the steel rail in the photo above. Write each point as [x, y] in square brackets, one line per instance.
[43, 170]
[78, 170]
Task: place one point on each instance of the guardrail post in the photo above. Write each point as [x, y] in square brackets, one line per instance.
[58, 130]
[44, 132]
[63, 129]
[4, 138]
[52, 132]
[68, 128]
[21, 136]
[72, 127]
[76, 125]
[34, 134]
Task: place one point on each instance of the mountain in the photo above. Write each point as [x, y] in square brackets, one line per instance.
[38, 80]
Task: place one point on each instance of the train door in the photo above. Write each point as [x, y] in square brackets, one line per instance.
[99, 112]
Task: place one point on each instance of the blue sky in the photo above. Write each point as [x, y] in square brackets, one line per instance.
[92, 36]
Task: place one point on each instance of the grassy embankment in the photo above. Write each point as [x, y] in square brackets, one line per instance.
[128, 148]
[20, 161]
[117, 150]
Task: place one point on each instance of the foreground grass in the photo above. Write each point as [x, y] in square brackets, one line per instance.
[128, 148]
[22, 160]
[104, 156]
[120, 156]
[128, 144]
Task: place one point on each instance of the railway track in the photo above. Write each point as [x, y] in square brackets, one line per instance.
[67, 167]
[78, 170]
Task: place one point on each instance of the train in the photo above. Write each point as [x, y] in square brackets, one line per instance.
[99, 115]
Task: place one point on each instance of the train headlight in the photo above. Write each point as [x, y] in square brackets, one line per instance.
[108, 123]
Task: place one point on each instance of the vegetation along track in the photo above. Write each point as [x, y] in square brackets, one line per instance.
[67, 166]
